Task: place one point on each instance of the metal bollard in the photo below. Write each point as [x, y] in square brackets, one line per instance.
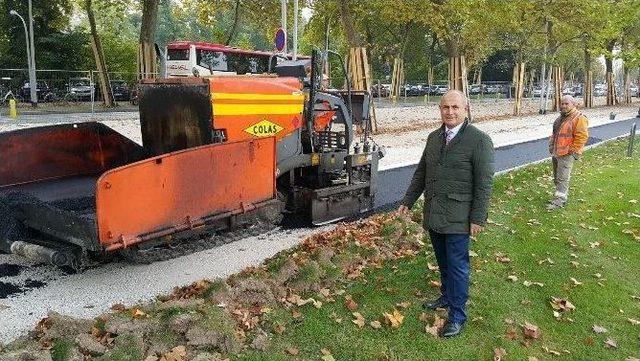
[13, 109]
[632, 137]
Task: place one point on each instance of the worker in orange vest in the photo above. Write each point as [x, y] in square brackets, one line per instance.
[569, 136]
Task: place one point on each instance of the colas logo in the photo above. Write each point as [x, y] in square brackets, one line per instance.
[264, 128]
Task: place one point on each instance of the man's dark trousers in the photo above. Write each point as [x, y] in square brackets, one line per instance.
[452, 254]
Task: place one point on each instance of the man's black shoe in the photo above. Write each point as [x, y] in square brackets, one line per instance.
[451, 329]
[439, 303]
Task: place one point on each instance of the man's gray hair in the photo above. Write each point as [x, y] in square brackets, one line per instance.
[569, 98]
[465, 101]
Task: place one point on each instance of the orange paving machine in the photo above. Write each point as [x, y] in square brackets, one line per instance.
[219, 155]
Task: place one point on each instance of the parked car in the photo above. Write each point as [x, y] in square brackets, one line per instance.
[599, 90]
[416, 90]
[477, 89]
[42, 90]
[439, 89]
[80, 89]
[380, 91]
[577, 90]
[119, 88]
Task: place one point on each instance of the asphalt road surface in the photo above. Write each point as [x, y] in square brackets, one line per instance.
[392, 183]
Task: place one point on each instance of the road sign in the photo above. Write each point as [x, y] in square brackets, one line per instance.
[280, 39]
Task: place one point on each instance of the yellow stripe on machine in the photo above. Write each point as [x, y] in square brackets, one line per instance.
[253, 96]
[254, 109]
[252, 103]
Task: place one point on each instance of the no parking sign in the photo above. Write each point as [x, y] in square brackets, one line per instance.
[280, 39]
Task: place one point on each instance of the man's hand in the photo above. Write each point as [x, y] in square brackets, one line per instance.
[403, 209]
[475, 229]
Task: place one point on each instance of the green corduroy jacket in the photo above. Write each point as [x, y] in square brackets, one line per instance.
[456, 180]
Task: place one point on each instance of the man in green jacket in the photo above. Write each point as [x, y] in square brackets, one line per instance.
[455, 174]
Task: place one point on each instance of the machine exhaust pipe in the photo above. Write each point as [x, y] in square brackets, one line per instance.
[41, 254]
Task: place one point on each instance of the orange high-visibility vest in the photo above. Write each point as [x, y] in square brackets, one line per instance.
[572, 135]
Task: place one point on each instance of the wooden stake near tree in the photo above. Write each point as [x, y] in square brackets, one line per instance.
[518, 80]
[397, 78]
[587, 87]
[360, 77]
[458, 74]
[587, 93]
[627, 83]
[608, 61]
[531, 82]
[611, 89]
[558, 83]
[147, 66]
[98, 54]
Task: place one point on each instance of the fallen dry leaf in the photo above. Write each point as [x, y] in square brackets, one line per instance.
[177, 353]
[599, 329]
[436, 326]
[499, 353]
[633, 321]
[435, 284]
[393, 319]
[502, 258]
[292, 351]
[325, 292]
[512, 278]
[550, 351]
[359, 320]
[350, 304]
[546, 260]
[137, 313]
[279, 329]
[575, 282]
[530, 331]
[511, 333]
[610, 343]
[404, 304]
[375, 324]
[118, 307]
[529, 283]
[326, 355]
[561, 304]
[432, 267]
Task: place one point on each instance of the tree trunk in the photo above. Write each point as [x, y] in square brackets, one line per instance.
[625, 81]
[236, 16]
[397, 78]
[457, 67]
[611, 89]
[531, 83]
[587, 89]
[147, 67]
[558, 83]
[518, 71]
[347, 23]
[98, 54]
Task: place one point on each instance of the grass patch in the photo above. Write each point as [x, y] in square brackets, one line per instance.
[128, 349]
[586, 253]
[61, 350]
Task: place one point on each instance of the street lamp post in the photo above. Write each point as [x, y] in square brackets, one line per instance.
[32, 72]
[30, 61]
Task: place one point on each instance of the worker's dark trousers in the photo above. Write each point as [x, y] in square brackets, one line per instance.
[452, 254]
